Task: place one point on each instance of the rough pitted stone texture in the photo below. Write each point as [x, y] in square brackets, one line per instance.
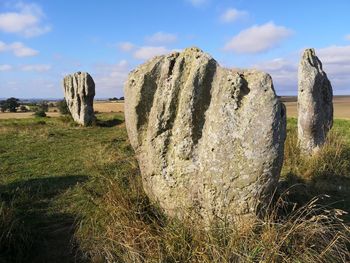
[79, 92]
[315, 106]
[208, 140]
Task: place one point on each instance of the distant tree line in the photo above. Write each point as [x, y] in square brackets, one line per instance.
[116, 99]
[39, 108]
[10, 105]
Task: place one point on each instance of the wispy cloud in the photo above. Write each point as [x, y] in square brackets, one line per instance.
[26, 20]
[347, 37]
[110, 78]
[36, 67]
[161, 38]
[5, 67]
[126, 46]
[198, 3]
[27, 67]
[147, 52]
[284, 73]
[18, 49]
[258, 38]
[336, 63]
[337, 55]
[232, 15]
[335, 60]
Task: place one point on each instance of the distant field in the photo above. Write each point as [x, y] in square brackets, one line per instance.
[109, 106]
[99, 106]
[341, 106]
[23, 115]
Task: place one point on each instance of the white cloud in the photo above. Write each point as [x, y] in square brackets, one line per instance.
[339, 55]
[161, 38]
[347, 37]
[335, 60]
[257, 39]
[36, 67]
[336, 63]
[284, 73]
[126, 46]
[18, 49]
[25, 21]
[110, 78]
[198, 3]
[3, 46]
[5, 67]
[232, 14]
[147, 52]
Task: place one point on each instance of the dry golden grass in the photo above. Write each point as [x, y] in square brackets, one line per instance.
[332, 160]
[24, 115]
[120, 224]
[99, 106]
[109, 106]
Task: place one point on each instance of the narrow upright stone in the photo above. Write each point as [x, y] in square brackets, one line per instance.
[209, 140]
[79, 93]
[315, 106]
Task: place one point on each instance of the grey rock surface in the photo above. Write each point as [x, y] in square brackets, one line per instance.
[79, 93]
[315, 106]
[209, 140]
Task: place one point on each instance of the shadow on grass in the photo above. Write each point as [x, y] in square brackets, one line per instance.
[333, 192]
[108, 123]
[325, 174]
[35, 233]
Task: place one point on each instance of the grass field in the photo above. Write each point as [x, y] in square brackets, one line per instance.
[73, 194]
[99, 106]
[42, 159]
[341, 108]
[102, 106]
[23, 115]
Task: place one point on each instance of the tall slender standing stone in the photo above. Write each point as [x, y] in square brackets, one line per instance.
[79, 93]
[315, 106]
[209, 140]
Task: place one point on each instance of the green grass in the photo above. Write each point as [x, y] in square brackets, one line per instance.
[41, 159]
[71, 193]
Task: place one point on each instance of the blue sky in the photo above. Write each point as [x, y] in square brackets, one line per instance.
[41, 40]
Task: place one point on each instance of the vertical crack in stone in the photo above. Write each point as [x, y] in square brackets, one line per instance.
[148, 89]
[202, 99]
[171, 67]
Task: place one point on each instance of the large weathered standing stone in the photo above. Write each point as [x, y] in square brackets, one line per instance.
[315, 106]
[209, 140]
[79, 92]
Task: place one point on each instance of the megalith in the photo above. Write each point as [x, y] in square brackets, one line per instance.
[315, 106]
[79, 93]
[209, 140]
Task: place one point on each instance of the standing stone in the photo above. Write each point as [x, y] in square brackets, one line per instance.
[79, 92]
[315, 106]
[209, 140]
